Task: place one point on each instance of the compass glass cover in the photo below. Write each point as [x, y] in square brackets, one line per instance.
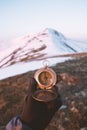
[45, 78]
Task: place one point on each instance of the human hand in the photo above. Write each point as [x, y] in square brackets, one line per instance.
[38, 114]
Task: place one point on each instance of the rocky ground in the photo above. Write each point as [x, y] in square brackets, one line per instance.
[73, 90]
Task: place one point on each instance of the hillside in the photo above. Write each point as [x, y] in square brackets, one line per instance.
[73, 91]
[26, 51]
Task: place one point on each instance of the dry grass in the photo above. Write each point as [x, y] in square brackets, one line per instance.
[74, 96]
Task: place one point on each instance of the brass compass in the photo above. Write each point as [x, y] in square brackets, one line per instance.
[46, 79]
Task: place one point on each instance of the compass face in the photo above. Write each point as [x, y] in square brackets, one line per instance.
[46, 78]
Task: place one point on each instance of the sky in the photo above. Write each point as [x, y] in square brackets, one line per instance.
[21, 17]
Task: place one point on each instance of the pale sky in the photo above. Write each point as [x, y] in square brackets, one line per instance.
[21, 17]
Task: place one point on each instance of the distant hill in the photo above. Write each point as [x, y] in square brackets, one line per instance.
[28, 52]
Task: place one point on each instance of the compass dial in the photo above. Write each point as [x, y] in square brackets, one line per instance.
[45, 78]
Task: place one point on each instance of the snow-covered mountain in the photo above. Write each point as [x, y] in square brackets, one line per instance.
[28, 52]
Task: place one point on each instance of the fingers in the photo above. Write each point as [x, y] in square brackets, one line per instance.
[32, 85]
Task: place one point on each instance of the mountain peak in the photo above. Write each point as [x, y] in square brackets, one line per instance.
[28, 52]
[54, 32]
[48, 43]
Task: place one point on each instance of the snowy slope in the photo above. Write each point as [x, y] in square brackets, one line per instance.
[67, 45]
[28, 52]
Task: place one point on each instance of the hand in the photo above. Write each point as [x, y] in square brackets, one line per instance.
[38, 114]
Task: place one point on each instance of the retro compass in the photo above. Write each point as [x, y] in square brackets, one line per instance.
[46, 79]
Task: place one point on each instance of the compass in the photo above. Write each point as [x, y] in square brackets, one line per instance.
[45, 77]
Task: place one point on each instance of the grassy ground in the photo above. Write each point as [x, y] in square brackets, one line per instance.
[73, 91]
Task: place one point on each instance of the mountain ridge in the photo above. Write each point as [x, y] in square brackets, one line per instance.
[29, 52]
